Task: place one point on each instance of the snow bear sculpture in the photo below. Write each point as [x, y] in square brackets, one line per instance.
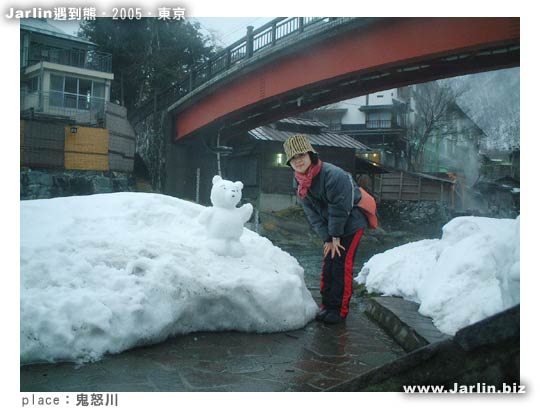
[224, 221]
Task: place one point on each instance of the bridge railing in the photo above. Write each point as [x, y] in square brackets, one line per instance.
[268, 35]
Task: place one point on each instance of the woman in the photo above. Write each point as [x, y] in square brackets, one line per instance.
[329, 197]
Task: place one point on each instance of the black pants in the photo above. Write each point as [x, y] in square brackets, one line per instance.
[337, 276]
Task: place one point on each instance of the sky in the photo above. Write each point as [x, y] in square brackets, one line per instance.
[225, 30]
[207, 8]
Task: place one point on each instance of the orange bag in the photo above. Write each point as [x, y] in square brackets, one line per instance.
[368, 205]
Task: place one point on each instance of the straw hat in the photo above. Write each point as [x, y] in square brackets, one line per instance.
[297, 144]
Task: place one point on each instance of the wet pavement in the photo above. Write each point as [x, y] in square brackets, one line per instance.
[313, 358]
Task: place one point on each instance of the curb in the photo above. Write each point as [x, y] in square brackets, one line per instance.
[484, 353]
[400, 319]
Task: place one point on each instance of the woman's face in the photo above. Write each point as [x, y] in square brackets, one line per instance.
[301, 162]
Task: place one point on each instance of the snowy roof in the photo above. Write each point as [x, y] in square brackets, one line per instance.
[324, 138]
[303, 121]
[41, 26]
[388, 168]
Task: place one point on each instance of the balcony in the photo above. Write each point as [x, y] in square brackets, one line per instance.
[79, 109]
[377, 124]
[385, 124]
[88, 59]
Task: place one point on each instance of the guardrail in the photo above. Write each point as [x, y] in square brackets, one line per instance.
[268, 35]
[89, 59]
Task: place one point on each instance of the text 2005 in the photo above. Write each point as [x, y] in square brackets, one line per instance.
[126, 13]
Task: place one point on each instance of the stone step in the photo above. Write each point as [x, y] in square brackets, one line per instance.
[401, 320]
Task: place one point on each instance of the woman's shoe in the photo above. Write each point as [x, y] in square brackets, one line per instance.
[321, 314]
[332, 318]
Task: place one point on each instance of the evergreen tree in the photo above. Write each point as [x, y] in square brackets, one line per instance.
[148, 55]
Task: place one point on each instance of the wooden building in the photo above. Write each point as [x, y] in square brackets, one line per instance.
[59, 143]
[67, 120]
[413, 186]
[258, 159]
[392, 184]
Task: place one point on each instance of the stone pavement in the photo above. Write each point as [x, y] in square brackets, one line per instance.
[314, 358]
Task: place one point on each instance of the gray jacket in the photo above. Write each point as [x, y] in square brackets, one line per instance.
[331, 203]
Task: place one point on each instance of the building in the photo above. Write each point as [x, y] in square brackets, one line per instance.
[384, 121]
[454, 145]
[498, 185]
[257, 159]
[67, 120]
[62, 75]
[377, 120]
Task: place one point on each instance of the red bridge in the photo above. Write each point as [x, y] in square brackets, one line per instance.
[270, 75]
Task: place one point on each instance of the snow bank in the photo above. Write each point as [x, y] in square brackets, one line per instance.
[104, 273]
[471, 273]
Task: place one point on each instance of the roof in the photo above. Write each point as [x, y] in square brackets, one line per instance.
[424, 175]
[41, 26]
[323, 139]
[364, 165]
[328, 111]
[429, 176]
[303, 121]
[380, 107]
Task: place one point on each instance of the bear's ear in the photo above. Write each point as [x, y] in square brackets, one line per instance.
[216, 179]
[239, 185]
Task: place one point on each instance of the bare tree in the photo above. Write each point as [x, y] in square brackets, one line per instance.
[432, 102]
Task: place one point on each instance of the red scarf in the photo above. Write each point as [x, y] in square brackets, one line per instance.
[305, 180]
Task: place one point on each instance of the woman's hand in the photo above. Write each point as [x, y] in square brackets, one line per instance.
[333, 247]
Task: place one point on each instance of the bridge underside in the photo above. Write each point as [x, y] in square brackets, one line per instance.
[385, 54]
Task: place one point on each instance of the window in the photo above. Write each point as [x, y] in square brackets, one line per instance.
[57, 83]
[70, 85]
[56, 95]
[76, 93]
[400, 120]
[31, 85]
[99, 90]
[280, 160]
[85, 87]
[380, 119]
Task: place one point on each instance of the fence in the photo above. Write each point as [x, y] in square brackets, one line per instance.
[270, 34]
[89, 59]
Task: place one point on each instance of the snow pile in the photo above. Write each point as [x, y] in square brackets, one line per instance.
[103, 273]
[468, 275]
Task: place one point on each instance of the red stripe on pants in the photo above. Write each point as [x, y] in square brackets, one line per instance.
[321, 284]
[348, 279]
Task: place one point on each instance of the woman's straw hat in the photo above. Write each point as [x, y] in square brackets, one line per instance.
[297, 144]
